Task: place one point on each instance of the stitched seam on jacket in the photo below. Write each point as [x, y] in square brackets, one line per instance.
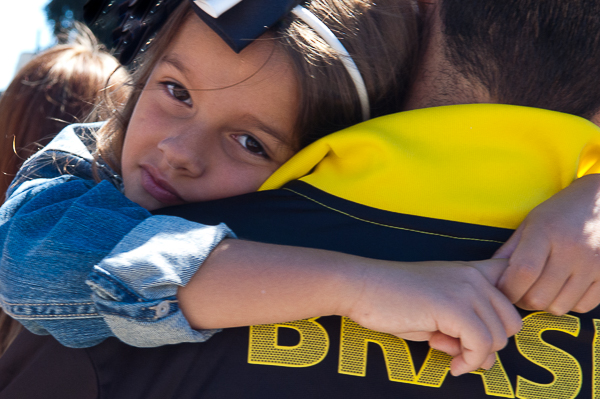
[389, 226]
[22, 316]
[48, 304]
[47, 316]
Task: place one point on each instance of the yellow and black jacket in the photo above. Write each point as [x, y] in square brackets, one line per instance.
[448, 183]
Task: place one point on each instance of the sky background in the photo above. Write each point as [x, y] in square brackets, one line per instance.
[22, 22]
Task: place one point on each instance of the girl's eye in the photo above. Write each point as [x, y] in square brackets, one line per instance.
[251, 144]
[178, 92]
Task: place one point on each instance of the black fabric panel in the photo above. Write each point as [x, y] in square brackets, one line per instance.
[246, 21]
[302, 215]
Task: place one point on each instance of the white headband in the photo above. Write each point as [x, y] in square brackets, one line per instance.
[311, 20]
[215, 8]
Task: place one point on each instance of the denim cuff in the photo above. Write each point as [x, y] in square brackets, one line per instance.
[135, 286]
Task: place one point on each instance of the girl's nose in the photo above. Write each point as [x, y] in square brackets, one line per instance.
[181, 154]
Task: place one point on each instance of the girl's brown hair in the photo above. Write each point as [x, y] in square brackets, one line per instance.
[380, 36]
[60, 86]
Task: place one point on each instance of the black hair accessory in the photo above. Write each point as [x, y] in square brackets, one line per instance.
[246, 21]
[134, 23]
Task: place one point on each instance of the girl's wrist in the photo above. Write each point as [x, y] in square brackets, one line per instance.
[358, 276]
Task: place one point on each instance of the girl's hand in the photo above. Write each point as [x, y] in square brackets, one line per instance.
[554, 262]
[453, 305]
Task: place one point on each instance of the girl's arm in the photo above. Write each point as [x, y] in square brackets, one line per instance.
[244, 283]
[451, 304]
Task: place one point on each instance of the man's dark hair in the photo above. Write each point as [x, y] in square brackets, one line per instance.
[542, 53]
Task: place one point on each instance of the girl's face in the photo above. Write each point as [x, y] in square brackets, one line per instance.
[210, 123]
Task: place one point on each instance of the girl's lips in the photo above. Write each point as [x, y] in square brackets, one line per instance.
[159, 189]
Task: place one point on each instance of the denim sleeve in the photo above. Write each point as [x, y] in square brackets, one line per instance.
[53, 231]
[52, 234]
[135, 286]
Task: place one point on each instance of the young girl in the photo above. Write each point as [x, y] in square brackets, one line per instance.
[207, 123]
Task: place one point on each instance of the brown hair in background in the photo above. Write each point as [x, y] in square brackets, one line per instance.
[60, 86]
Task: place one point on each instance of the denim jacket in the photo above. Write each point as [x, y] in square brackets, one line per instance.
[82, 262]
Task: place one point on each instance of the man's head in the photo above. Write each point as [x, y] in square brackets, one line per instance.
[544, 54]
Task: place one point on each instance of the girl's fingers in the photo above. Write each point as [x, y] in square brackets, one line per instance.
[445, 343]
[569, 296]
[509, 317]
[487, 332]
[492, 269]
[489, 363]
[525, 266]
[477, 343]
[507, 249]
[546, 289]
[590, 299]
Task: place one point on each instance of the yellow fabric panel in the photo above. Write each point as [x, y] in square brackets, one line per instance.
[486, 164]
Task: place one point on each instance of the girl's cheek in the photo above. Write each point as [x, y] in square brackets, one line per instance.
[153, 113]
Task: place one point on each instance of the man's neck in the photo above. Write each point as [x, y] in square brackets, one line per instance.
[438, 82]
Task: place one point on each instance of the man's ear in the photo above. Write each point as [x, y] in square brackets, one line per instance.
[426, 7]
[596, 118]
[427, 3]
